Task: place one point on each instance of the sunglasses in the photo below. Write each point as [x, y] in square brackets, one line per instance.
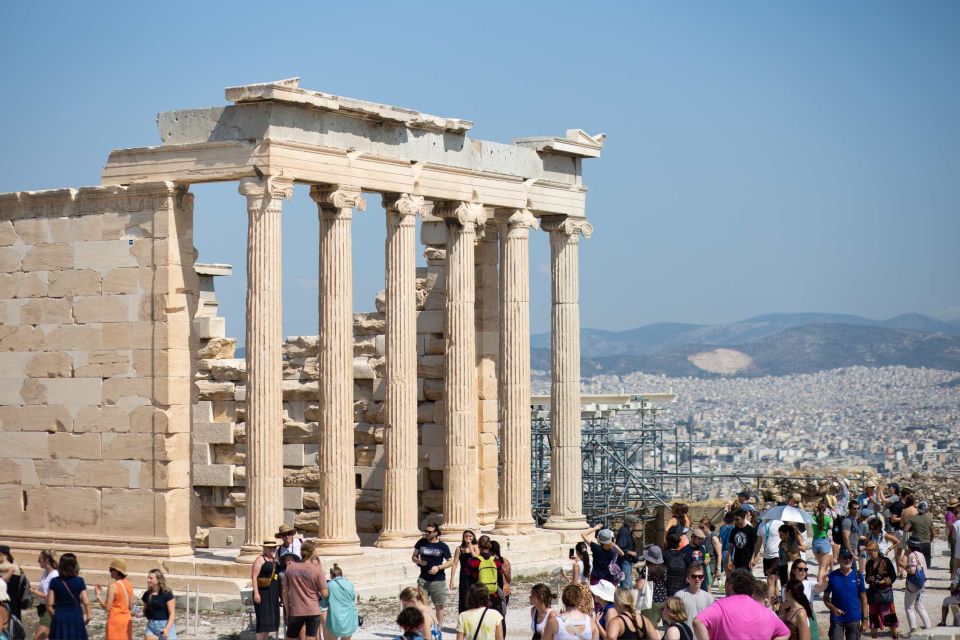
[430, 531]
[697, 576]
[804, 569]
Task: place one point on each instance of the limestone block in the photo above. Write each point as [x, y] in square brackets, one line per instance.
[425, 412]
[46, 311]
[169, 509]
[169, 419]
[213, 433]
[162, 363]
[488, 343]
[77, 510]
[363, 346]
[213, 475]
[131, 392]
[368, 455]
[487, 388]
[234, 454]
[487, 410]
[293, 497]
[307, 521]
[33, 392]
[210, 327]
[200, 454]
[174, 474]
[311, 500]
[28, 472]
[488, 455]
[296, 432]
[102, 308]
[301, 346]
[430, 321]
[218, 348]
[57, 473]
[174, 334]
[72, 391]
[48, 257]
[24, 510]
[228, 370]
[7, 234]
[103, 363]
[76, 282]
[430, 367]
[10, 473]
[103, 255]
[135, 508]
[54, 364]
[50, 418]
[105, 473]
[379, 393]
[9, 283]
[432, 435]
[135, 446]
[10, 390]
[73, 228]
[9, 260]
[24, 445]
[215, 390]
[435, 257]
[369, 477]
[117, 225]
[440, 412]
[122, 280]
[222, 411]
[435, 346]
[171, 446]
[433, 456]
[489, 427]
[433, 233]
[297, 390]
[70, 338]
[374, 412]
[366, 324]
[362, 370]
[32, 230]
[169, 390]
[294, 455]
[433, 389]
[432, 500]
[111, 419]
[75, 446]
[369, 500]
[366, 433]
[23, 285]
[225, 538]
[369, 521]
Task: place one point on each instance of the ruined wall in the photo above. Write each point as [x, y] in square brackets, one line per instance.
[219, 435]
[97, 291]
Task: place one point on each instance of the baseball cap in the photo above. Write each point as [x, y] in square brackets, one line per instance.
[845, 553]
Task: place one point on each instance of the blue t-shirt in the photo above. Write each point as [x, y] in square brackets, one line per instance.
[845, 593]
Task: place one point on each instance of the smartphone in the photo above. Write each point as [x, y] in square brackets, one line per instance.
[571, 553]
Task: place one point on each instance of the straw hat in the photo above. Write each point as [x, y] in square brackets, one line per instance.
[831, 500]
[604, 590]
[953, 503]
[119, 565]
[270, 542]
[285, 529]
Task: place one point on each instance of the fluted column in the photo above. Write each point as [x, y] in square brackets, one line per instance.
[514, 373]
[400, 507]
[566, 477]
[264, 508]
[460, 480]
[337, 492]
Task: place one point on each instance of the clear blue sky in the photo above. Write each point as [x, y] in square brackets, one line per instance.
[762, 157]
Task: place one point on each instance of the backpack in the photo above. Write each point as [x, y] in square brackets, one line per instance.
[24, 594]
[676, 565]
[837, 529]
[487, 573]
[917, 580]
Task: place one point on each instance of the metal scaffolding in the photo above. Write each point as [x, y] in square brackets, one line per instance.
[623, 451]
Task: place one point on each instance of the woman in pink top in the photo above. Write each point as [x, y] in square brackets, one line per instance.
[738, 615]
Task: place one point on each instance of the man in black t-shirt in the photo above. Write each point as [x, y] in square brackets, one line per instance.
[743, 538]
[604, 552]
[428, 553]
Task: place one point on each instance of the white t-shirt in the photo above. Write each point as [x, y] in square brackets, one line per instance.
[770, 532]
[44, 586]
[956, 536]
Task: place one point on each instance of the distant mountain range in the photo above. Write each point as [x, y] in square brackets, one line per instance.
[773, 344]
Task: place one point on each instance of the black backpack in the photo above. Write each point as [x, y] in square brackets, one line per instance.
[676, 565]
[837, 529]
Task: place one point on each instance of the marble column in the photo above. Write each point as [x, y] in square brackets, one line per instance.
[566, 477]
[400, 505]
[460, 479]
[514, 373]
[264, 508]
[337, 492]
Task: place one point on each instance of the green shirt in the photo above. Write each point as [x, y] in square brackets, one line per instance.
[827, 523]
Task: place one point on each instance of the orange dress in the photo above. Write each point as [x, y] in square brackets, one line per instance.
[119, 620]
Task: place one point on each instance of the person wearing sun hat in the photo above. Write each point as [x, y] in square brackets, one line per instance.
[117, 602]
[289, 540]
[605, 554]
[604, 593]
[265, 578]
[921, 526]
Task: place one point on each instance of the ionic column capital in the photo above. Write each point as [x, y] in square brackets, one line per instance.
[338, 200]
[516, 220]
[266, 189]
[403, 208]
[571, 227]
[466, 214]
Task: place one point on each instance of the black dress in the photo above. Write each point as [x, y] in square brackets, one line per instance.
[464, 581]
[268, 611]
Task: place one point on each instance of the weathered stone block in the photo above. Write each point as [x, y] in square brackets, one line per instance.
[430, 367]
[48, 257]
[10, 260]
[56, 473]
[430, 321]
[133, 507]
[8, 235]
[365, 324]
[433, 389]
[218, 348]
[122, 280]
[49, 418]
[293, 455]
[366, 433]
[200, 454]
[135, 446]
[487, 410]
[103, 364]
[24, 445]
[213, 475]
[46, 311]
[71, 391]
[106, 473]
[94, 419]
[433, 233]
[78, 282]
[28, 285]
[74, 228]
[103, 308]
[79, 446]
[487, 388]
[9, 474]
[213, 433]
[171, 446]
[70, 338]
[362, 370]
[77, 510]
[293, 497]
[432, 435]
[368, 455]
[103, 255]
[425, 412]
[215, 390]
[225, 538]
[50, 365]
[369, 477]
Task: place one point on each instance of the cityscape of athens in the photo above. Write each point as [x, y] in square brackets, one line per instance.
[489, 321]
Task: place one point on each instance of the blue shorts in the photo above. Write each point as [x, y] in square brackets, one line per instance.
[155, 628]
[822, 545]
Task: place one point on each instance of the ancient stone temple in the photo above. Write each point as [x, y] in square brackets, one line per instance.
[124, 424]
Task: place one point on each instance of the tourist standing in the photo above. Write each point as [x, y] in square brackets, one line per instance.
[479, 621]
[656, 573]
[952, 601]
[800, 571]
[694, 598]
[466, 550]
[67, 601]
[880, 576]
[486, 569]
[743, 539]
[17, 583]
[431, 556]
[411, 622]
[849, 529]
[604, 593]
[11, 628]
[797, 613]
[846, 599]
[48, 571]
[265, 577]
[679, 521]
[507, 572]
[628, 546]
[159, 607]
[712, 550]
[580, 575]
[951, 520]
[894, 507]
[572, 624]
[677, 561]
[871, 501]
[289, 541]
[914, 595]
[417, 598]
[606, 555]
[789, 550]
[678, 622]
[921, 526]
[342, 620]
[626, 624]
[739, 615]
[117, 603]
[541, 600]
[303, 586]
